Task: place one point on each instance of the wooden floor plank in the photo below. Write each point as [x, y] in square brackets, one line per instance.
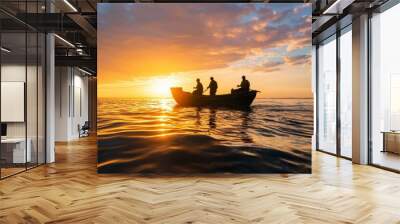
[71, 191]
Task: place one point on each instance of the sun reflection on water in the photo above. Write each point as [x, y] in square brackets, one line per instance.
[142, 133]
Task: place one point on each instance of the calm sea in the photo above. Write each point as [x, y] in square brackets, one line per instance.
[157, 136]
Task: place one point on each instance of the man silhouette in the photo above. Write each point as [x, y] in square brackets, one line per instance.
[198, 89]
[244, 85]
[213, 86]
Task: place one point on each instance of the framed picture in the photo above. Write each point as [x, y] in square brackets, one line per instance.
[204, 88]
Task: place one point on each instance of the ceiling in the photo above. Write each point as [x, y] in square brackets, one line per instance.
[75, 23]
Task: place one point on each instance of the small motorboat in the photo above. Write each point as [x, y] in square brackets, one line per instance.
[235, 99]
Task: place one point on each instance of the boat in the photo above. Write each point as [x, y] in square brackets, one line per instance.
[235, 99]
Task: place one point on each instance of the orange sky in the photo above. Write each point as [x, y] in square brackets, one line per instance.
[149, 47]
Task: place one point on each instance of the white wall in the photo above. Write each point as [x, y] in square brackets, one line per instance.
[71, 87]
[13, 73]
[62, 82]
[80, 111]
[33, 127]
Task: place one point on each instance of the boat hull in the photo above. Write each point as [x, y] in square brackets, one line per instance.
[227, 100]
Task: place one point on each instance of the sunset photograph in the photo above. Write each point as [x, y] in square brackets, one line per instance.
[204, 88]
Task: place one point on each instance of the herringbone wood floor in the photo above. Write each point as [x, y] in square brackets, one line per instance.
[70, 191]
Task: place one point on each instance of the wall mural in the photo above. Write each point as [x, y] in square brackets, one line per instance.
[204, 88]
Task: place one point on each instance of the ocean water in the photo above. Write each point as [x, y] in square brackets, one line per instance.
[157, 136]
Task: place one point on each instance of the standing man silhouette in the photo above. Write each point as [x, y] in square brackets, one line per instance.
[213, 86]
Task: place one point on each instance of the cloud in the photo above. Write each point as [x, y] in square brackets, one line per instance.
[270, 66]
[297, 60]
[156, 39]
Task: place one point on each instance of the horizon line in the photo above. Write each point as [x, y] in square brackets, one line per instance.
[276, 98]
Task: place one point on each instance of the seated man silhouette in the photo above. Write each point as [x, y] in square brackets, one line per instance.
[198, 89]
[244, 85]
[213, 86]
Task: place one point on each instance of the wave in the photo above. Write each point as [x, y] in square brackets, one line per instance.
[191, 154]
[156, 136]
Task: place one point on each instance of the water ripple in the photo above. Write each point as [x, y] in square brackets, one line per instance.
[156, 136]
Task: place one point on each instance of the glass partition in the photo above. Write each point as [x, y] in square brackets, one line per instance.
[22, 88]
[327, 95]
[41, 97]
[13, 94]
[385, 89]
[346, 92]
[31, 98]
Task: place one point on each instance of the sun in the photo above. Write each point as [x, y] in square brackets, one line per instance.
[160, 87]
